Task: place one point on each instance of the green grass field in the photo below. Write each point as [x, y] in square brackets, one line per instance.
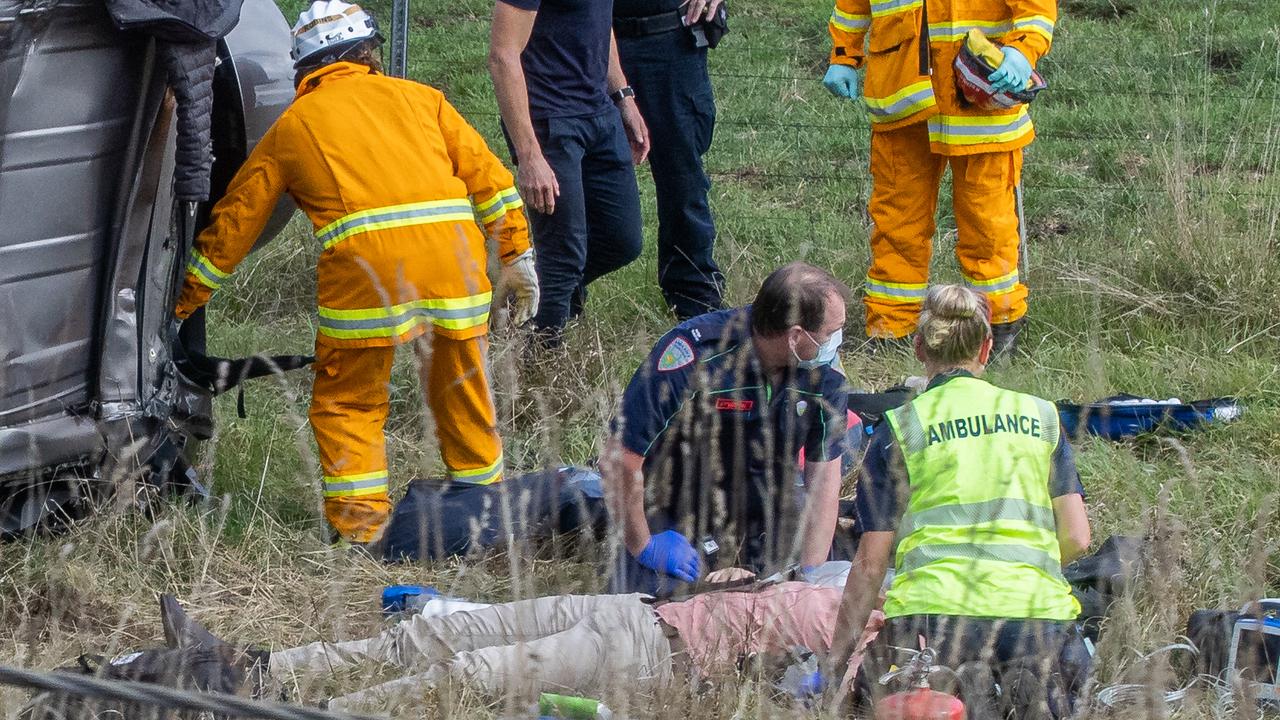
[1153, 202]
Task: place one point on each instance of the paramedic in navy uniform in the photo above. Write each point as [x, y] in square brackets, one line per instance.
[710, 429]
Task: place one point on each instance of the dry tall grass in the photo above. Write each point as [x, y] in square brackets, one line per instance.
[1153, 201]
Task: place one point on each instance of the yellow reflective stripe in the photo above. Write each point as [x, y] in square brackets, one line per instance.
[361, 214]
[363, 323]
[393, 216]
[511, 198]
[401, 328]
[850, 22]
[896, 292]
[462, 303]
[956, 29]
[1035, 23]
[907, 101]
[995, 286]
[479, 476]
[881, 8]
[970, 130]
[500, 204]
[496, 213]
[356, 485]
[457, 216]
[482, 207]
[205, 271]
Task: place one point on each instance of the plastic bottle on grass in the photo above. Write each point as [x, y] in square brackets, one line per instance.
[397, 599]
[572, 707]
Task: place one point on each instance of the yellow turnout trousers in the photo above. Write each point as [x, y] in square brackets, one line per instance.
[350, 400]
[904, 200]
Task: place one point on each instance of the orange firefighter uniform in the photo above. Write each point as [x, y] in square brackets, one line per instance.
[920, 125]
[394, 180]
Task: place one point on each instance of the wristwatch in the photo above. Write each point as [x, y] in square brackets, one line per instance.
[622, 93]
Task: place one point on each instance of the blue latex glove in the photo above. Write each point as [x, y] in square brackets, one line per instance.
[811, 685]
[670, 553]
[1013, 73]
[807, 573]
[843, 81]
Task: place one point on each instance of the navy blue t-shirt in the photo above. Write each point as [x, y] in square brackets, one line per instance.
[720, 441]
[566, 62]
[883, 492]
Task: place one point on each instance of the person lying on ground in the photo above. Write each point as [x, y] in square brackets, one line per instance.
[585, 644]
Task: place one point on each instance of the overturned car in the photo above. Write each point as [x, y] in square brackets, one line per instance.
[105, 176]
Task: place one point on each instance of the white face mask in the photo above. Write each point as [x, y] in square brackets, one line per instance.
[826, 351]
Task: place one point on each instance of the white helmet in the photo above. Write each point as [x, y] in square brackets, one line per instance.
[330, 28]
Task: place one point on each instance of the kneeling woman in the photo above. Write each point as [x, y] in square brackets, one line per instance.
[979, 490]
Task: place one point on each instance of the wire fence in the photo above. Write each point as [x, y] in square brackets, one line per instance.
[859, 128]
[1256, 180]
[1201, 149]
[127, 691]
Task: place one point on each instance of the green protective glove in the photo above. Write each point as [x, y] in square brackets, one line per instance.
[843, 81]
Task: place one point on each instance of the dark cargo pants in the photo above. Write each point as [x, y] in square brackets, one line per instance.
[674, 95]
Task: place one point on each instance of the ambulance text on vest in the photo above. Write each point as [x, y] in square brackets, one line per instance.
[980, 425]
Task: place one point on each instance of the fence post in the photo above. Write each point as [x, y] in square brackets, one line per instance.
[399, 38]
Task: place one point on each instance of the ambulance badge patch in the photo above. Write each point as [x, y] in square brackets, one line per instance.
[677, 355]
[801, 407]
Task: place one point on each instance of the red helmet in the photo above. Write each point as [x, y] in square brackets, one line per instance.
[977, 59]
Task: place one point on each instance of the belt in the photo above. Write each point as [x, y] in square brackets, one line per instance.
[629, 27]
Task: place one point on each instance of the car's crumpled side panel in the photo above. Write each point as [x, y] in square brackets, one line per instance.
[92, 243]
[66, 135]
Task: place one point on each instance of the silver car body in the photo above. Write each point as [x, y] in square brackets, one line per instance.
[92, 244]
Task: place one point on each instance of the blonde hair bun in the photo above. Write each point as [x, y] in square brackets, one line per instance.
[954, 322]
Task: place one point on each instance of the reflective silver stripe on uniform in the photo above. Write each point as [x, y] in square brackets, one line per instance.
[502, 202]
[1042, 24]
[923, 555]
[939, 32]
[1049, 421]
[397, 216]
[511, 198]
[977, 513]
[205, 271]
[898, 106]
[993, 128]
[337, 487]
[404, 316]
[852, 23]
[913, 438]
[993, 287]
[886, 7]
[893, 290]
[479, 476]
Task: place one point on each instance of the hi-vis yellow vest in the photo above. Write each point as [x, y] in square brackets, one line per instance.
[978, 538]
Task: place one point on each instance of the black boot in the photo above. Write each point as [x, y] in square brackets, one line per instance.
[180, 630]
[212, 664]
[1004, 337]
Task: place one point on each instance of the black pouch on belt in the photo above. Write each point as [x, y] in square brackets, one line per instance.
[712, 29]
